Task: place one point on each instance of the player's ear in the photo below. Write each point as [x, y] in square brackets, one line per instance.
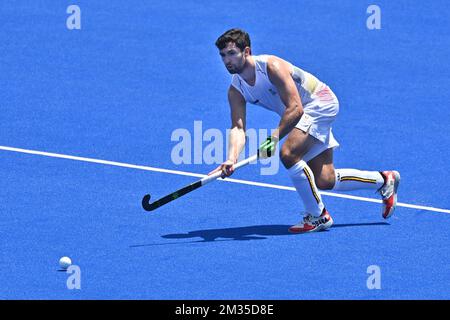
[247, 51]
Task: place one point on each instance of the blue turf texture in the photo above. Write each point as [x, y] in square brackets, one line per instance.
[138, 70]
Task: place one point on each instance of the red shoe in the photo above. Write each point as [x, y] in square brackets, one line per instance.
[389, 192]
[312, 224]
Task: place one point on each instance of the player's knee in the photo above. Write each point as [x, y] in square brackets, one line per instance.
[288, 158]
[325, 181]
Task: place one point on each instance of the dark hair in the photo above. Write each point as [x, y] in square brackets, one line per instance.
[238, 36]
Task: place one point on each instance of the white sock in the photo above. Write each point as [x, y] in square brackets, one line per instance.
[303, 180]
[352, 179]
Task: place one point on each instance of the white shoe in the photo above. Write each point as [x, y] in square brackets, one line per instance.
[311, 223]
[389, 192]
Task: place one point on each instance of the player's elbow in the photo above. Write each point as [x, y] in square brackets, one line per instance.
[238, 129]
[238, 133]
[299, 108]
[296, 111]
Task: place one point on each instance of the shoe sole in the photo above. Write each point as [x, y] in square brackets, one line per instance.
[396, 184]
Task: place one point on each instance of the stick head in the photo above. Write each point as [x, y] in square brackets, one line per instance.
[146, 203]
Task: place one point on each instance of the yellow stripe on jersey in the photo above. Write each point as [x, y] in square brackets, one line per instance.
[311, 83]
[313, 189]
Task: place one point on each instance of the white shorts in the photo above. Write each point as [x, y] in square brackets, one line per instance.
[317, 120]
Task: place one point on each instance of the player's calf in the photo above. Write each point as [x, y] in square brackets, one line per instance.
[325, 181]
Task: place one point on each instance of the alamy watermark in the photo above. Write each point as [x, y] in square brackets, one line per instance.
[374, 280]
[211, 147]
[73, 22]
[373, 22]
[74, 279]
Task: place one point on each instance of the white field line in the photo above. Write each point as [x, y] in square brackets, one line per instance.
[190, 174]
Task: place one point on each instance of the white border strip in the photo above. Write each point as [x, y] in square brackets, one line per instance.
[190, 174]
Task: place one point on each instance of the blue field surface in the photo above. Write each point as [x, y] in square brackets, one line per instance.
[138, 71]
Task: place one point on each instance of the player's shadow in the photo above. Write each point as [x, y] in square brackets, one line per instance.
[239, 233]
[251, 233]
[260, 232]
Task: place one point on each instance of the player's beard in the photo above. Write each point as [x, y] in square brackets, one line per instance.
[233, 69]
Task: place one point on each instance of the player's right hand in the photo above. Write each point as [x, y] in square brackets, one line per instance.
[227, 169]
[267, 148]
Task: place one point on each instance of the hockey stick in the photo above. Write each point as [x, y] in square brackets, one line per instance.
[181, 192]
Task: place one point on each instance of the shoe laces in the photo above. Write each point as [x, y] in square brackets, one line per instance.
[387, 188]
[307, 217]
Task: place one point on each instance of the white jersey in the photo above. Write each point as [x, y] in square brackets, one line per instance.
[265, 94]
[320, 105]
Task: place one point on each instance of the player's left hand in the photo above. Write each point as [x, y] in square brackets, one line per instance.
[268, 147]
